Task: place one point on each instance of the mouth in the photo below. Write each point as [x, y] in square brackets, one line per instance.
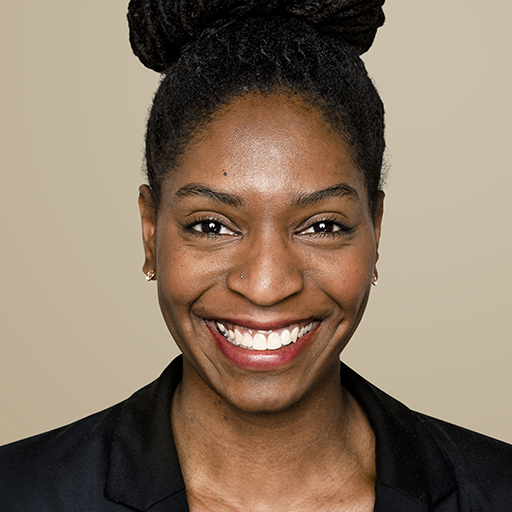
[261, 340]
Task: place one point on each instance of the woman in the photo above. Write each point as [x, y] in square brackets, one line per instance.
[261, 224]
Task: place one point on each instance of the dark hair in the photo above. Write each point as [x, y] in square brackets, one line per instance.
[212, 52]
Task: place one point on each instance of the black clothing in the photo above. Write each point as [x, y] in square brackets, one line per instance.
[124, 458]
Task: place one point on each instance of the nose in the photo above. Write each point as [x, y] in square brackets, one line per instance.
[266, 271]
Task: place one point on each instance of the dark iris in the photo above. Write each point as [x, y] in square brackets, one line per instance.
[210, 227]
[324, 227]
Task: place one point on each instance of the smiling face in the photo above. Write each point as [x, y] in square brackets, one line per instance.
[264, 252]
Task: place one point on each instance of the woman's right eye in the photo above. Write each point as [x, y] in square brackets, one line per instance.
[210, 227]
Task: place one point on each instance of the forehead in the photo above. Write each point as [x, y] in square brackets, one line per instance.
[267, 144]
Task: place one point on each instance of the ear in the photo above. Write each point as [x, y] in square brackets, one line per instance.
[148, 220]
[377, 221]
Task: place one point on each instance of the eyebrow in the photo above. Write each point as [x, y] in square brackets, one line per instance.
[194, 189]
[340, 190]
[301, 201]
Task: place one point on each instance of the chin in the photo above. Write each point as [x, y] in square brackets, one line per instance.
[264, 403]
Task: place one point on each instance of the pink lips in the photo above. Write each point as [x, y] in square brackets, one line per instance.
[260, 360]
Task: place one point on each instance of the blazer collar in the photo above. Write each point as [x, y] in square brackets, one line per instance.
[412, 472]
[144, 470]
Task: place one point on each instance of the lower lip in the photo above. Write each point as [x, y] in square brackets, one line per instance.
[260, 359]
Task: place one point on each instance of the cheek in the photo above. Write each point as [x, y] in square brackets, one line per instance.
[181, 281]
[184, 274]
[346, 275]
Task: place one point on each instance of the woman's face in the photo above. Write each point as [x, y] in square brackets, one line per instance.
[264, 251]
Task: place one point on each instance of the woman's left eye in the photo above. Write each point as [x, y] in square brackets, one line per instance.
[325, 227]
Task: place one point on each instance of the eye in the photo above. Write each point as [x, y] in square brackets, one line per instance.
[327, 227]
[324, 226]
[209, 226]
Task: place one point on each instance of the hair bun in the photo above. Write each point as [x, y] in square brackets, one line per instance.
[160, 28]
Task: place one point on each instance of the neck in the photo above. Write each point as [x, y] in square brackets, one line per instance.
[271, 454]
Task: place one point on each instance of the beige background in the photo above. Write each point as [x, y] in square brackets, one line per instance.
[81, 329]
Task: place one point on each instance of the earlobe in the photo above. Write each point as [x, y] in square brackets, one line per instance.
[148, 221]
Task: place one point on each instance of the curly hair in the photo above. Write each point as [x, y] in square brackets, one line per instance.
[212, 52]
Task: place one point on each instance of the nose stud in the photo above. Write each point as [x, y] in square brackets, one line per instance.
[241, 277]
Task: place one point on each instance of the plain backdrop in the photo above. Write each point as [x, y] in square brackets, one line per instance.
[81, 328]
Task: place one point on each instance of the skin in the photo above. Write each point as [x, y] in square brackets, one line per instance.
[269, 192]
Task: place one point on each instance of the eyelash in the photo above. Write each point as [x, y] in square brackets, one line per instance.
[189, 226]
[344, 228]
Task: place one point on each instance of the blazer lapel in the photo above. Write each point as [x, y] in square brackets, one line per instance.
[412, 472]
[144, 471]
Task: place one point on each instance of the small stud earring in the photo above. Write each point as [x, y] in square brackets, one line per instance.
[241, 277]
[150, 275]
[375, 279]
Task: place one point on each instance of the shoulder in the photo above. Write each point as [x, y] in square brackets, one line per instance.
[480, 462]
[432, 461]
[41, 470]
[94, 463]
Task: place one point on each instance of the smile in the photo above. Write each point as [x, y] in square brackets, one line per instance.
[262, 340]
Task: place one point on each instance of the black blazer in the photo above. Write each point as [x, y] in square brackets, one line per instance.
[124, 458]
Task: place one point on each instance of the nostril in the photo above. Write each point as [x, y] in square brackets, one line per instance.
[266, 286]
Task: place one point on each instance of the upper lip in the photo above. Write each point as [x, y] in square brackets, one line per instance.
[264, 325]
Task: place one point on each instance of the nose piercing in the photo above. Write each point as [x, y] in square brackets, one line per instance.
[241, 277]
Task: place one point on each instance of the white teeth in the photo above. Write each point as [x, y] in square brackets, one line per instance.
[247, 341]
[261, 341]
[274, 341]
[286, 337]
